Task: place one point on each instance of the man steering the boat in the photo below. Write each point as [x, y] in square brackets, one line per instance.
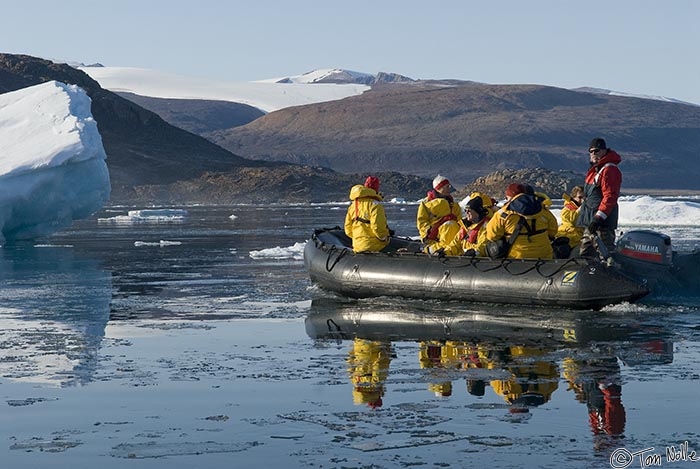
[599, 211]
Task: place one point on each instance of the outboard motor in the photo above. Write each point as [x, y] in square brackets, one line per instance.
[646, 255]
[646, 246]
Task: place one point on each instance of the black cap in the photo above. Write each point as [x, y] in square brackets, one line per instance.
[476, 204]
[597, 144]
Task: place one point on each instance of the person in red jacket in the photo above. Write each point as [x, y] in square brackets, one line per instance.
[599, 211]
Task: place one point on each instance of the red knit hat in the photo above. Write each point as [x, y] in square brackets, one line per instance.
[372, 182]
[514, 189]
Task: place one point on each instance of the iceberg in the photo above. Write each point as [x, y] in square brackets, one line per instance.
[52, 164]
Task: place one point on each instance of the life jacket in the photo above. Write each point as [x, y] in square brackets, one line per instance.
[525, 207]
[473, 234]
[357, 216]
[594, 196]
[435, 229]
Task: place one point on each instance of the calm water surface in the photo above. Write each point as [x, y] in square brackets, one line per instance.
[121, 350]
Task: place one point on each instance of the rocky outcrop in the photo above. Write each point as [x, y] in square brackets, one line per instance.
[290, 184]
[552, 183]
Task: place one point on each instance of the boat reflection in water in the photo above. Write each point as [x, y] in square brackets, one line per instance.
[523, 356]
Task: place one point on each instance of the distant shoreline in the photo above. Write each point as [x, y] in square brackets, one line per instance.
[659, 192]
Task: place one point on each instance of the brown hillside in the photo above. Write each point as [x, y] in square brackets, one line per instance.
[470, 130]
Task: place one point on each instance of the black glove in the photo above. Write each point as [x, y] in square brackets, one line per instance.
[440, 253]
[594, 225]
[391, 232]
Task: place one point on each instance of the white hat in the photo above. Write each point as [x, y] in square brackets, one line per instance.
[440, 181]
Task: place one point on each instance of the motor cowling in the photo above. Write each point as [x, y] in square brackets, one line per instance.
[646, 246]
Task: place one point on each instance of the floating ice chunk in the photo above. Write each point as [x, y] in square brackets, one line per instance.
[397, 200]
[161, 243]
[148, 216]
[159, 212]
[292, 252]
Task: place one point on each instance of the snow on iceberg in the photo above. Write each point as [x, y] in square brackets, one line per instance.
[52, 164]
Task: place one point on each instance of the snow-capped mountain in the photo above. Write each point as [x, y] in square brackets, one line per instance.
[588, 89]
[339, 75]
[268, 95]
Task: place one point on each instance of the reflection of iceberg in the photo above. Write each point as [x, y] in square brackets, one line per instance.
[53, 312]
[52, 165]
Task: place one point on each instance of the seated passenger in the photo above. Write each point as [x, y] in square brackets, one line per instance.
[365, 222]
[425, 218]
[444, 228]
[569, 215]
[524, 213]
[471, 238]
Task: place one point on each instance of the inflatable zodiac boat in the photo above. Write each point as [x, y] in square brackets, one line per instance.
[576, 283]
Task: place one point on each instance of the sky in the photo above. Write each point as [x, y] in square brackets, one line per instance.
[635, 46]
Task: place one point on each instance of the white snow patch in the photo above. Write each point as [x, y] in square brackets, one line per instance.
[649, 211]
[263, 95]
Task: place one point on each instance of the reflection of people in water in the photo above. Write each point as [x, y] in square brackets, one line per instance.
[596, 382]
[476, 356]
[444, 356]
[532, 381]
[368, 368]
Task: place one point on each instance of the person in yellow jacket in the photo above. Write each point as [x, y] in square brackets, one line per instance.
[365, 221]
[444, 228]
[569, 216]
[471, 238]
[426, 218]
[368, 367]
[536, 232]
[532, 382]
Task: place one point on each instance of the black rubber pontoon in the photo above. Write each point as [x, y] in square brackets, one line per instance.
[574, 283]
